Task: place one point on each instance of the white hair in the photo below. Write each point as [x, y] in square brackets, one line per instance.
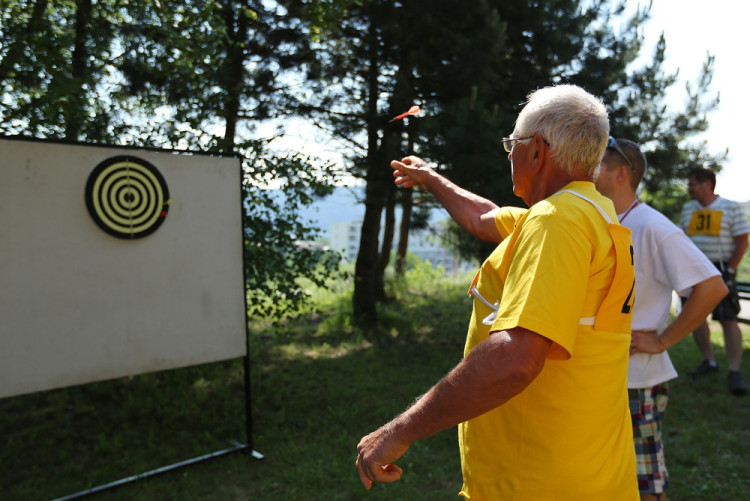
[573, 122]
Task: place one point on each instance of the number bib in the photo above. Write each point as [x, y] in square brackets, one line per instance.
[616, 313]
[705, 222]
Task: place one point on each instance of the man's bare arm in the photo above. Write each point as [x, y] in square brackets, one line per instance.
[740, 246]
[493, 372]
[702, 300]
[474, 213]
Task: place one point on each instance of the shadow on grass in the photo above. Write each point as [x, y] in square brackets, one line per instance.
[317, 389]
[315, 394]
[707, 428]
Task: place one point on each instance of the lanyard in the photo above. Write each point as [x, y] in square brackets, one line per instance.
[632, 206]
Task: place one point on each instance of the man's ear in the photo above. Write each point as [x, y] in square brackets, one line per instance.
[622, 172]
[540, 155]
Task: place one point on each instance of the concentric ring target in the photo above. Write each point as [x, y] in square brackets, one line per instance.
[127, 197]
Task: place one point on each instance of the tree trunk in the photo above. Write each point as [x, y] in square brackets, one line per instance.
[237, 26]
[365, 270]
[385, 247]
[406, 206]
[74, 109]
[403, 232]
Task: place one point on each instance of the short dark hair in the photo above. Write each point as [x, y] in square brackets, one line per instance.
[702, 175]
[635, 156]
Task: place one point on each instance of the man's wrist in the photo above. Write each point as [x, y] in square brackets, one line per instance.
[731, 271]
[401, 429]
[662, 343]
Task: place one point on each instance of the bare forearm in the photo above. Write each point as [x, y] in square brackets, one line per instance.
[491, 374]
[473, 213]
[740, 247]
[494, 371]
[702, 300]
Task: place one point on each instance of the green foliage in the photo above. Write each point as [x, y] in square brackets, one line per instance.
[56, 60]
[325, 15]
[180, 74]
[743, 270]
[213, 63]
[471, 80]
[201, 75]
[278, 254]
[217, 63]
[667, 135]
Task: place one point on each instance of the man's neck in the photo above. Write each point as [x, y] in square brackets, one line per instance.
[708, 200]
[551, 178]
[558, 183]
[623, 200]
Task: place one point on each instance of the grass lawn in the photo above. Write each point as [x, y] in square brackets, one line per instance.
[317, 387]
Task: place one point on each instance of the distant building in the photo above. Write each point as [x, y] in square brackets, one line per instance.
[426, 245]
[344, 238]
[311, 245]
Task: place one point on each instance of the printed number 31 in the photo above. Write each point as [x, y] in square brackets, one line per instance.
[704, 222]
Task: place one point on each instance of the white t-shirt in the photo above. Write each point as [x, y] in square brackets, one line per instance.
[665, 260]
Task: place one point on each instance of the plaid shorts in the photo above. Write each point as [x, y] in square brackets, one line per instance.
[647, 406]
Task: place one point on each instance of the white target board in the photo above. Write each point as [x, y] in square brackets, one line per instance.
[116, 262]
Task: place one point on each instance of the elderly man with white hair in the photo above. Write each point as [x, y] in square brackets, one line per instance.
[540, 397]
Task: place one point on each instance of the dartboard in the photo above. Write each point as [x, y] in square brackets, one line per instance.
[127, 197]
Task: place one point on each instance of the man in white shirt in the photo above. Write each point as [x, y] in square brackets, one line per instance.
[719, 228]
[665, 260]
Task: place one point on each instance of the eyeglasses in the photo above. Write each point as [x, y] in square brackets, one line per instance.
[613, 144]
[508, 142]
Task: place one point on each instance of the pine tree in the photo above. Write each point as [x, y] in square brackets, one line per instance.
[56, 59]
[181, 74]
[470, 66]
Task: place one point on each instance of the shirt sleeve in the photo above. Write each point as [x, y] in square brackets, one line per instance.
[687, 210]
[740, 225]
[505, 219]
[683, 265]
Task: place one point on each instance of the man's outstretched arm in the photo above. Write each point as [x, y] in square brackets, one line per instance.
[474, 213]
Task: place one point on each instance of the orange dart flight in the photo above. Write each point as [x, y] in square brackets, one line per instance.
[414, 110]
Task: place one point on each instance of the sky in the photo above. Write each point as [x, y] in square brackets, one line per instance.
[693, 29]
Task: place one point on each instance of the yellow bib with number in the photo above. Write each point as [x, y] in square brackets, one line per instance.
[705, 222]
[616, 312]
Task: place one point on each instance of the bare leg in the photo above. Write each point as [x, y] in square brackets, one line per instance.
[733, 342]
[702, 337]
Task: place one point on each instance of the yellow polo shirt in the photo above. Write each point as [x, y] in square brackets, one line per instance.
[568, 435]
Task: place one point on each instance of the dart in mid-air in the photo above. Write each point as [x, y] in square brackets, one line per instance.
[414, 110]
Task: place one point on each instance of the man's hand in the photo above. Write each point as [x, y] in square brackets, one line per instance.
[730, 279]
[646, 342]
[377, 451]
[410, 171]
